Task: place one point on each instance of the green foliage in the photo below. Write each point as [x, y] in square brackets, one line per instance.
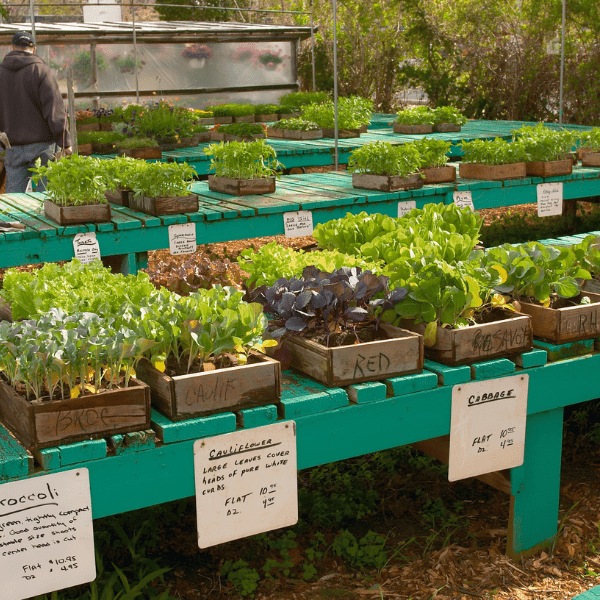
[419, 115]
[448, 114]
[433, 152]
[242, 129]
[82, 66]
[295, 125]
[266, 109]
[350, 114]
[160, 179]
[189, 10]
[241, 576]
[73, 180]
[535, 271]
[243, 160]
[383, 158]
[366, 552]
[544, 144]
[73, 287]
[231, 110]
[494, 152]
[134, 142]
[272, 261]
[163, 122]
[296, 100]
[590, 139]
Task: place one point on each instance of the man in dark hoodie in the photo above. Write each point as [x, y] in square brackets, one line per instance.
[32, 112]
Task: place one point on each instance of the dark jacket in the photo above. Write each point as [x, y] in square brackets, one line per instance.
[31, 107]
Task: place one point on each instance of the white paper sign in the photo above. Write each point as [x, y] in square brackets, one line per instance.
[406, 207]
[46, 534]
[298, 224]
[246, 483]
[487, 426]
[182, 238]
[550, 199]
[463, 199]
[86, 247]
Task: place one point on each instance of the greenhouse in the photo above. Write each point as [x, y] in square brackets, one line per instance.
[191, 63]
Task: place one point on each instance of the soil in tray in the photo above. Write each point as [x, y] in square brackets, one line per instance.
[349, 338]
[175, 368]
[558, 302]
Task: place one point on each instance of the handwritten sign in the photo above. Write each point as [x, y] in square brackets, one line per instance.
[463, 200]
[46, 534]
[246, 483]
[487, 426]
[405, 207]
[298, 224]
[549, 199]
[86, 247]
[182, 238]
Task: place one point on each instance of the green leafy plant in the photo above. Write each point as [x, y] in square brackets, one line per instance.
[433, 152]
[74, 180]
[231, 110]
[272, 261]
[590, 139]
[241, 577]
[350, 114]
[199, 128]
[383, 158]
[162, 121]
[364, 108]
[298, 124]
[494, 152]
[544, 144]
[368, 551]
[160, 179]
[242, 129]
[137, 143]
[295, 100]
[82, 66]
[419, 115]
[127, 64]
[243, 160]
[448, 114]
[266, 109]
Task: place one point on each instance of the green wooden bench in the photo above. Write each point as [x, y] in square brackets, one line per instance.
[130, 234]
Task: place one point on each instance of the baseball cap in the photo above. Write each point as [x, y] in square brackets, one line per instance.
[22, 38]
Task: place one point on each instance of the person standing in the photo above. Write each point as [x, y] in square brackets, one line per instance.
[32, 112]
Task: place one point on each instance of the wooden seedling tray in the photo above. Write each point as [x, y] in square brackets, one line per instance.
[164, 205]
[202, 137]
[182, 143]
[241, 187]
[85, 149]
[386, 183]
[99, 148]
[291, 134]
[59, 422]
[119, 196]
[244, 119]
[88, 126]
[439, 174]
[222, 120]
[549, 168]
[142, 153]
[71, 215]
[569, 324]
[283, 116]
[217, 136]
[447, 127]
[582, 151]
[511, 334]
[343, 134]
[274, 132]
[400, 354]
[590, 159]
[491, 172]
[266, 118]
[223, 390]
[412, 129]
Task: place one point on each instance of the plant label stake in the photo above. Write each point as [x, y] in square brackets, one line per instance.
[246, 483]
[182, 238]
[298, 224]
[86, 247]
[487, 426]
[46, 534]
[406, 207]
[549, 199]
[463, 200]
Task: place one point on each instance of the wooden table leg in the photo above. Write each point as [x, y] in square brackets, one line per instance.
[127, 264]
[532, 524]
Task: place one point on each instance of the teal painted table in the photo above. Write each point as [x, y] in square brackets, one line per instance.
[146, 468]
[130, 234]
[320, 152]
[591, 594]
